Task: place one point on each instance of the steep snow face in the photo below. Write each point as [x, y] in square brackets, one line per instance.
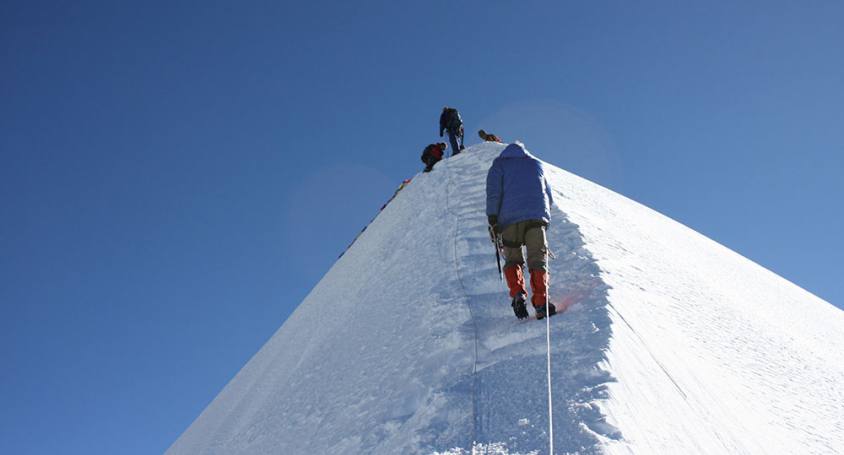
[671, 342]
[711, 352]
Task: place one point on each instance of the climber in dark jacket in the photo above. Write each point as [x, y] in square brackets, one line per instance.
[518, 206]
[432, 154]
[451, 122]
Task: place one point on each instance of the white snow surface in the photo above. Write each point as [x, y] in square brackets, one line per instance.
[672, 343]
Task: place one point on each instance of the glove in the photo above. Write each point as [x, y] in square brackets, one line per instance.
[493, 222]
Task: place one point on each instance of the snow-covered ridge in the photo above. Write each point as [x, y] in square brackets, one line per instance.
[673, 344]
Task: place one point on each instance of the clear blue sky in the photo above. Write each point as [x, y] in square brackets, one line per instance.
[174, 180]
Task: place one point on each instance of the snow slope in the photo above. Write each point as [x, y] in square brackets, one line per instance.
[672, 344]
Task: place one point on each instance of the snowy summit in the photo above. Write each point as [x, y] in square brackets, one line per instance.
[671, 343]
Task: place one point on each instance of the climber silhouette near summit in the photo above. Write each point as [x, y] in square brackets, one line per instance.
[488, 137]
[432, 154]
[451, 122]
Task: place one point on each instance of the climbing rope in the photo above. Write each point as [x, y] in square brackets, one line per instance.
[548, 369]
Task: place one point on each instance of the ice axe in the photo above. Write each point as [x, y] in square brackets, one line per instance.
[496, 240]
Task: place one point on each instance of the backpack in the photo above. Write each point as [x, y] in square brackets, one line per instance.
[453, 120]
[432, 150]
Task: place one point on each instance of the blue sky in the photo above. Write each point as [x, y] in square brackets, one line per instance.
[175, 180]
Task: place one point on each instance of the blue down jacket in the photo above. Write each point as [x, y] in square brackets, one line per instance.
[516, 188]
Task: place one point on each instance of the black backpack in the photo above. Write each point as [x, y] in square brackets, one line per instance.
[454, 121]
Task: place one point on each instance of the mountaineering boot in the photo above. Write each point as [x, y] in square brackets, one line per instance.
[519, 307]
[539, 286]
[540, 311]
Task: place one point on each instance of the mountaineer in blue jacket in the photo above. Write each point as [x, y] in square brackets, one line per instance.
[518, 207]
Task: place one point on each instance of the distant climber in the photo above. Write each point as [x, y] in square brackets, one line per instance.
[488, 137]
[432, 154]
[451, 122]
[518, 207]
[404, 183]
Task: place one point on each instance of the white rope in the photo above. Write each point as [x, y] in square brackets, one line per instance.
[548, 363]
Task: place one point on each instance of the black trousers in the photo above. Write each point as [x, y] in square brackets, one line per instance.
[452, 139]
